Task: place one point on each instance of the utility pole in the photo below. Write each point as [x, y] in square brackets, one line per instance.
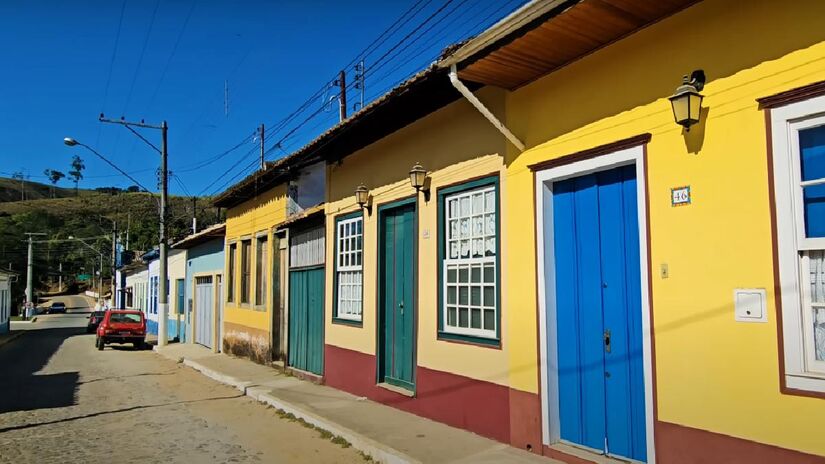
[128, 226]
[194, 215]
[359, 83]
[342, 98]
[30, 268]
[263, 164]
[114, 264]
[163, 297]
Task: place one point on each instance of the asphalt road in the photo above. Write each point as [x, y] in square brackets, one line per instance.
[63, 401]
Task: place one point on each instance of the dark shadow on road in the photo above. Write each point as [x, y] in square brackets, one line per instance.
[23, 390]
[116, 411]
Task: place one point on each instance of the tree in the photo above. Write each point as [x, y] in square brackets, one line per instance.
[54, 177]
[76, 173]
[133, 189]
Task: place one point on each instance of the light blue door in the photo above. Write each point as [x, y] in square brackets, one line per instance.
[598, 313]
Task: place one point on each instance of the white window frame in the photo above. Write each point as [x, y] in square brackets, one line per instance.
[802, 370]
[447, 262]
[341, 269]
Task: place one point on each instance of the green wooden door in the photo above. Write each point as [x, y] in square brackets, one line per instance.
[306, 319]
[397, 297]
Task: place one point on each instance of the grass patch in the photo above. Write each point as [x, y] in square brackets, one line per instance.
[324, 433]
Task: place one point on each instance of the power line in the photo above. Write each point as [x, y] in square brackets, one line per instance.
[140, 58]
[111, 65]
[172, 55]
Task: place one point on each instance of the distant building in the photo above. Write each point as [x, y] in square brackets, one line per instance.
[6, 279]
[200, 291]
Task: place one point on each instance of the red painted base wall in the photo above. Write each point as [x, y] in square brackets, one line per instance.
[488, 409]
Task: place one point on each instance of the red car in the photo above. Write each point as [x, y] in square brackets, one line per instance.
[121, 326]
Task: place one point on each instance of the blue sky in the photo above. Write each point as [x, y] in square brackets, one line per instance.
[65, 62]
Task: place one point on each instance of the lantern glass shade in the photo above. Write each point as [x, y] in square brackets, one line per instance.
[417, 176]
[687, 106]
[362, 195]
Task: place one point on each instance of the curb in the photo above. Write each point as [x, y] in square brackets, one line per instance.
[14, 336]
[378, 451]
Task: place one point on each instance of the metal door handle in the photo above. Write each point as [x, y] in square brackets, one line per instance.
[401, 306]
[607, 340]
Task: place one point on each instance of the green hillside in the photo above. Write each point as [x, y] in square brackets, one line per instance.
[89, 215]
[15, 190]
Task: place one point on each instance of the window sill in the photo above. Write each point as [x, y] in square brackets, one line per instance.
[807, 385]
[494, 343]
[396, 389]
[348, 322]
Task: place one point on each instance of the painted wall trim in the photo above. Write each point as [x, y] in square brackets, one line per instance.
[787, 97]
[600, 150]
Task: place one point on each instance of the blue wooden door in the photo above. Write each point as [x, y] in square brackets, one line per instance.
[598, 312]
[306, 319]
[396, 280]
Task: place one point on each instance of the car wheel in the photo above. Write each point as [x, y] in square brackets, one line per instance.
[100, 344]
[138, 345]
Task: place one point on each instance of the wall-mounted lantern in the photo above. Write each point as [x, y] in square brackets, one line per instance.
[419, 180]
[687, 101]
[362, 197]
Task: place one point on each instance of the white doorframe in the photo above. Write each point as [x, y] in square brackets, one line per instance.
[548, 361]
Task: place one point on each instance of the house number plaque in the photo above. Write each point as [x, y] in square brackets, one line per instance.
[680, 196]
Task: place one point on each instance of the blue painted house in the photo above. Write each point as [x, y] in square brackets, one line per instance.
[203, 287]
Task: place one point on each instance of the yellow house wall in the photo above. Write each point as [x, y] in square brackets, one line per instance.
[248, 220]
[455, 144]
[712, 373]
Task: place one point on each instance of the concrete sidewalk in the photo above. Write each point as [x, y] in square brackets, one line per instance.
[387, 434]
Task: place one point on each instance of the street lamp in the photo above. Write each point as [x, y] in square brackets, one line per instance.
[686, 102]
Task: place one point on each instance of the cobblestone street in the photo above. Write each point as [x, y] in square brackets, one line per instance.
[63, 401]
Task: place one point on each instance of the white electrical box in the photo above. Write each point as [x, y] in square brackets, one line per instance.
[749, 305]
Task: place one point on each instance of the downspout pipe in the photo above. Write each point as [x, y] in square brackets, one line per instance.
[463, 90]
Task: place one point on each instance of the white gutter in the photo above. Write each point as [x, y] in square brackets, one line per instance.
[483, 109]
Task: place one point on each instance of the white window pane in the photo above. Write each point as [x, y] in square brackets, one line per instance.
[478, 203]
[475, 275]
[463, 316]
[819, 333]
[489, 296]
[463, 274]
[451, 295]
[489, 319]
[463, 295]
[465, 248]
[475, 296]
[453, 208]
[451, 316]
[451, 274]
[489, 201]
[490, 220]
[453, 229]
[490, 246]
[454, 250]
[489, 273]
[465, 206]
[478, 226]
[475, 318]
[465, 228]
